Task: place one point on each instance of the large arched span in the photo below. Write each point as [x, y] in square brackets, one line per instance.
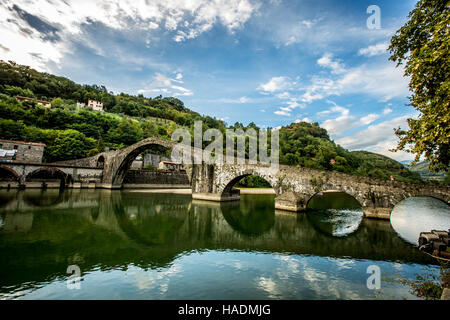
[126, 156]
[8, 174]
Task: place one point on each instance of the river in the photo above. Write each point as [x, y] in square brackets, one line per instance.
[131, 245]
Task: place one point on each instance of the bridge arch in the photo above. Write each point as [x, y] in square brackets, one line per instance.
[50, 173]
[119, 164]
[433, 195]
[226, 190]
[319, 193]
[100, 161]
[8, 174]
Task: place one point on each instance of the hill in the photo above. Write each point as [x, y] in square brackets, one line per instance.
[423, 170]
[71, 132]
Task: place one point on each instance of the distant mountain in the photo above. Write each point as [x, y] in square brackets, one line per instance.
[405, 162]
[422, 169]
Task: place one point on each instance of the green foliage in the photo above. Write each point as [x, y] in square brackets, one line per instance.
[422, 43]
[126, 133]
[57, 103]
[150, 167]
[253, 182]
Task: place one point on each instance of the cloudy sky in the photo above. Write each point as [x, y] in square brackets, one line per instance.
[271, 62]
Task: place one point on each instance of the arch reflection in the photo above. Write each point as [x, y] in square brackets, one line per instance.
[334, 214]
[419, 214]
[251, 216]
[152, 220]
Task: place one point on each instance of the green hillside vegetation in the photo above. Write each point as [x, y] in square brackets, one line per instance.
[70, 132]
[422, 168]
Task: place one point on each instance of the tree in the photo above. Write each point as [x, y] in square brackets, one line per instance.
[68, 144]
[57, 103]
[422, 43]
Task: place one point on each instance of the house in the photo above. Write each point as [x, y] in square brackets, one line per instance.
[21, 151]
[46, 104]
[171, 166]
[81, 104]
[95, 105]
[137, 163]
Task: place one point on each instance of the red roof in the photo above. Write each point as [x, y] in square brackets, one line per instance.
[23, 142]
[32, 99]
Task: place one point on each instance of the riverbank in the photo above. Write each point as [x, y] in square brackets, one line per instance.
[189, 191]
[256, 190]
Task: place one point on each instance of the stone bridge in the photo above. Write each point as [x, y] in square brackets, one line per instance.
[29, 174]
[294, 186]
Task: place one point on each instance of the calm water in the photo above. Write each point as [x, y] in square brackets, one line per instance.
[131, 245]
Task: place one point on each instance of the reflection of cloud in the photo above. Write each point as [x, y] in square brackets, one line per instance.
[268, 285]
[414, 215]
[153, 279]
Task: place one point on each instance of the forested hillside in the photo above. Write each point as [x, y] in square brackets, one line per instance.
[70, 132]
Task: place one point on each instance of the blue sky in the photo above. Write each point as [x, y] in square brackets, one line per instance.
[271, 62]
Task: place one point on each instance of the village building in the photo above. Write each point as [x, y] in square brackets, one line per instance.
[46, 104]
[21, 151]
[171, 166]
[95, 105]
[81, 104]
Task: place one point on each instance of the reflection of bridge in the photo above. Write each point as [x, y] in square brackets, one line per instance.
[294, 186]
[172, 225]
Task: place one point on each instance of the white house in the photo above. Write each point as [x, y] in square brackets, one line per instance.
[95, 105]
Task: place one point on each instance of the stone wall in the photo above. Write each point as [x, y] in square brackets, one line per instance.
[155, 177]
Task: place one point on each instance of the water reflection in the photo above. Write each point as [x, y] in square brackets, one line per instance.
[419, 214]
[335, 213]
[253, 216]
[161, 234]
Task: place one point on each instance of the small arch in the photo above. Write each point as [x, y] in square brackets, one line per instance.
[424, 195]
[228, 190]
[8, 174]
[334, 213]
[101, 162]
[43, 174]
[354, 205]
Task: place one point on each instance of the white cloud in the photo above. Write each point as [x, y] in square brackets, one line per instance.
[378, 138]
[277, 84]
[187, 19]
[339, 124]
[374, 50]
[327, 62]
[243, 99]
[383, 81]
[369, 118]
[283, 113]
[306, 119]
[163, 84]
[387, 110]
[344, 121]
